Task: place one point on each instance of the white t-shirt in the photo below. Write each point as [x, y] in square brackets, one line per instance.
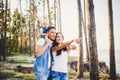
[41, 42]
[60, 62]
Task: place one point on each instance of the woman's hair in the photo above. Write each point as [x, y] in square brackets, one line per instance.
[56, 44]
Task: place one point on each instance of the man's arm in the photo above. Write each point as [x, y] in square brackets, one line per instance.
[40, 49]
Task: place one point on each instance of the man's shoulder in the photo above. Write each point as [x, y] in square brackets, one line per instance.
[41, 41]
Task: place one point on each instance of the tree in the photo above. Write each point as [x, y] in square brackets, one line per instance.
[85, 32]
[55, 12]
[1, 29]
[59, 16]
[111, 41]
[32, 26]
[49, 16]
[21, 28]
[92, 40]
[80, 56]
[4, 31]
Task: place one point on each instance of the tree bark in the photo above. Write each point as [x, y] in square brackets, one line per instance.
[59, 12]
[85, 32]
[21, 29]
[49, 17]
[92, 41]
[80, 56]
[111, 41]
[1, 29]
[4, 32]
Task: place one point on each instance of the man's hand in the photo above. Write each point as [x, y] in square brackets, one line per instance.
[48, 41]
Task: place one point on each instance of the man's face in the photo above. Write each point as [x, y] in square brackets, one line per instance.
[51, 34]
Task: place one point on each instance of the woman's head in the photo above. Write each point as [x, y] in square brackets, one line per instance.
[59, 37]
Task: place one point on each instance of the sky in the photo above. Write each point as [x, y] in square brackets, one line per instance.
[69, 20]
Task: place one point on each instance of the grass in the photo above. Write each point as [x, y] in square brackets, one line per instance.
[72, 59]
[21, 62]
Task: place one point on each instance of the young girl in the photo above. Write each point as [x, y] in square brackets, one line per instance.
[60, 50]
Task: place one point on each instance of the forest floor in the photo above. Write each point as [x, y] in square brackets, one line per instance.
[8, 68]
[8, 72]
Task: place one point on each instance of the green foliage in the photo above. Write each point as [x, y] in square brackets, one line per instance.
[16, 19]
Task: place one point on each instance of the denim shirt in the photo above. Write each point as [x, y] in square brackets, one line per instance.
[41, 63]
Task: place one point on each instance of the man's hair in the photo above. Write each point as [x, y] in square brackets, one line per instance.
[50, 27]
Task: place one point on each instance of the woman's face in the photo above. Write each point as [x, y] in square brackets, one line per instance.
[59, 38]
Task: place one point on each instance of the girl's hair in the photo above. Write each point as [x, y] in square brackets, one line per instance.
[56, 44]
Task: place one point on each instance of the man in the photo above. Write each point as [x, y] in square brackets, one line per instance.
[43, 59]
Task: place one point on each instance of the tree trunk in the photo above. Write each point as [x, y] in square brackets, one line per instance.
[1, 29]
[111, 41]
[80, 56]
[49, 17]
[4, 32]
[20, 28]
[10, 45]
[44, 9]
[92, 41]
[85, 32]
[59, 12]
[55, 12]
[32, 26]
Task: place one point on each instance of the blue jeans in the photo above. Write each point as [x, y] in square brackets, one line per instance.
[40, 76]
[58, 75]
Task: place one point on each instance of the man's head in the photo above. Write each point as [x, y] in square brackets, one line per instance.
[51, 32]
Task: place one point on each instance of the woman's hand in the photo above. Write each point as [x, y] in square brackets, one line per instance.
[77, 40]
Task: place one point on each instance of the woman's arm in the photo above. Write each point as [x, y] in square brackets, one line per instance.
[55, 48]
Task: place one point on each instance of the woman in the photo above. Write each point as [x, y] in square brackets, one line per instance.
[60, 52]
